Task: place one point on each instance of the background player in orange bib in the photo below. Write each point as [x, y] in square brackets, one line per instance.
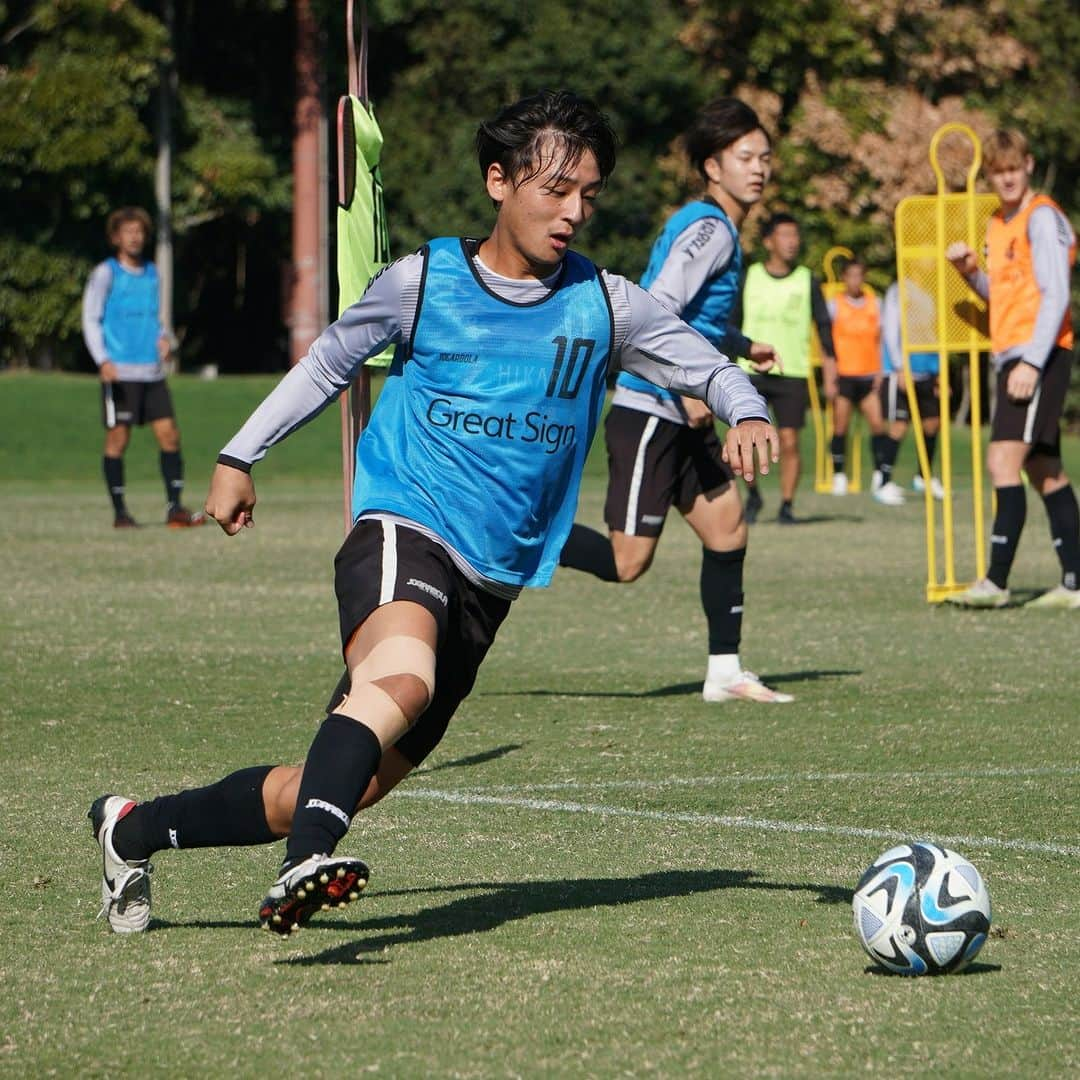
[856, 331]
[1031, 248]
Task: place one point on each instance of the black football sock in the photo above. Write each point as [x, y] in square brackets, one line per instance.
[1005, 536]
[836, 448]
[1064, 515]
[889, 449]
[343, 758]
[931, 448]
[722, 598]
[590, 551]
[114, 481]
[229, 813]
[877, 450]
[172, 472]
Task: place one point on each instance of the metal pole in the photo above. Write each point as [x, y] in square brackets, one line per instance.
[303, 310]
[163, 248]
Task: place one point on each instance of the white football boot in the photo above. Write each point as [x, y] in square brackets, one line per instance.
[918, 484]
[889, 494]
[983, 594]
[744, 686]
[1059, 597]
[319, 883]
[125, 885]
[839, 483]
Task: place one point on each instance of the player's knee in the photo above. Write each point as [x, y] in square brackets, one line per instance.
[410, 693]
[789, 441]
[631, 567]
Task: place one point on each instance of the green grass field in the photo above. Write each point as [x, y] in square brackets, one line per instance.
[596, 874]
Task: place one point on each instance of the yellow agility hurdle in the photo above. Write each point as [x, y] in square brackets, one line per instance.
[822, 416]
[940, 313]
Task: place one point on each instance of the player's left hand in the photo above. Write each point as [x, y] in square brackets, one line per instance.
[1022, 381]
[163, 348]
[743, 440]
[764, 357]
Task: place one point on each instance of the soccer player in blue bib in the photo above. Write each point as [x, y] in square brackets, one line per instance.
[466, 483]
[123, 332]
[662, 444]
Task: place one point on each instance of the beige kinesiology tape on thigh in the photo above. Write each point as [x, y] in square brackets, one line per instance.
[398, 655]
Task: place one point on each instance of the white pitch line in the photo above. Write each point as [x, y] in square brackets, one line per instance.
[475, 798]
[794, 778]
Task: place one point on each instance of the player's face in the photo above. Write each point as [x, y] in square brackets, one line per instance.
[539, 218]
[743, 168]
[130, 239]
[783, 242]
[854, 276]
[1010, 179]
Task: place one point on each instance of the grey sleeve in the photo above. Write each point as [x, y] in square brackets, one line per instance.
[1051, 237]
[332, 362]
[980, 283]
[819, 312]
[700, 251]
[890, 327]
[93, 311]
[658, 346]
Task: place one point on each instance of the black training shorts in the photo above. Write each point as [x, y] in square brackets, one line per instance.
[854, 387]
[133, 404]
[653, 463]
[894, 399]
[788, 397]
[381, 561]
[1038, 421]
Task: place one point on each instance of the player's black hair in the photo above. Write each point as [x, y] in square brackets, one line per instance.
[771, 223]
[720, 123]
[855, 260]
[516, 135]
[125, 214]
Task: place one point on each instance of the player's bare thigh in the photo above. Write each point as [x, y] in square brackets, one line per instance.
[841, 414]
[871, 409]
[633, 554]
[116, 440]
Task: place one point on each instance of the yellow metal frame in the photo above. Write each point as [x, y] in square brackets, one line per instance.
[822, 415]
[925, 226]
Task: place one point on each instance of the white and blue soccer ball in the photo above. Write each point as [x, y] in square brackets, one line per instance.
[921, 909]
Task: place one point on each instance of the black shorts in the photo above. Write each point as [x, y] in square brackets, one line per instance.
[1037, 422]
[894, 399]
[132, 404]
[653, 463]
[788, 397]
[380, 562]
[855, 387]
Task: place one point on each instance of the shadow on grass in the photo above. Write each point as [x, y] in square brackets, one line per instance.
[473, 759]
[975, 968]
[812, 519]
[497, 903]
[675, 690]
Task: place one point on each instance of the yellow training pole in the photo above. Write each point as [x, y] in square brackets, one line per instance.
[925, 226]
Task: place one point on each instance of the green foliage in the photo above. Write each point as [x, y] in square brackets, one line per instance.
[851, 88]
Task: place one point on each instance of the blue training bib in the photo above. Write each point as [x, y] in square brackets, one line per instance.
[130, 323]
[709, 310]
[482, 429]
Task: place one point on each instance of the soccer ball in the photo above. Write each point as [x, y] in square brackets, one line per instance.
[921, 909]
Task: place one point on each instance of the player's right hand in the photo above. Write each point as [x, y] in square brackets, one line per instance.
[108, 372]
[962, 257]
[764, 357]
[698, 414]
[231, 501]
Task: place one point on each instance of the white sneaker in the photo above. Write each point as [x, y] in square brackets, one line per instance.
[125, 886]
[319, 883]
[839, 483]
[983, 594]
[1059, 597]
[890, 494]
[918, 484]
[745, 686]
[877, 478]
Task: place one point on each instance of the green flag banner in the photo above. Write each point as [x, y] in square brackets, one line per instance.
[362, 235]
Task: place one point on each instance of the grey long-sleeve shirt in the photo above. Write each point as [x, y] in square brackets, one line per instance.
[650, 341]
[1050, 236]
